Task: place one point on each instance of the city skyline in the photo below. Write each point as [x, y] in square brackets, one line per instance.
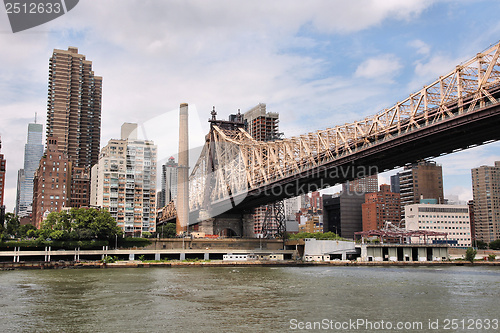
[294, 58]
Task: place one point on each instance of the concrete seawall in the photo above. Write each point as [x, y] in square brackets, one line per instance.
[220, 263]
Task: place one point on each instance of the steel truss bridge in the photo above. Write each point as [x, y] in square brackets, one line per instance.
[236, 173]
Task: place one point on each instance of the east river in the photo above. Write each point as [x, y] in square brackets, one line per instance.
[252, 299]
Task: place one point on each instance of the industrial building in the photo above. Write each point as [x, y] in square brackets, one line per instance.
[403, 252]
[393, 243]
[327, 250]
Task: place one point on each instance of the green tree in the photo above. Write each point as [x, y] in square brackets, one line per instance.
[11, 224]
[317, 235]
[59, 235]
[495, 245]
[81, 224]
[470, 254]
[24, 229]
[166, 230]
[481, 245]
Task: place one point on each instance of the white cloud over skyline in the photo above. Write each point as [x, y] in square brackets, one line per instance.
[317, 63]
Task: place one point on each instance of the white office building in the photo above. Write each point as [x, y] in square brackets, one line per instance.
[452, 219]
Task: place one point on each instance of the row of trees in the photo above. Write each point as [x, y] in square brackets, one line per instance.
[495, 245]
[74, 224]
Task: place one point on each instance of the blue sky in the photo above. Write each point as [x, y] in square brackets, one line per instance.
[317, 63]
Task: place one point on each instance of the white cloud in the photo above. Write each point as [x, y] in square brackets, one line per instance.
[429, 71]
[462, 163]
[382, 68]
[420, 46]
[464, 194]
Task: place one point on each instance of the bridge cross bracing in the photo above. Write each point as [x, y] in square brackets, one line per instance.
[232, 164]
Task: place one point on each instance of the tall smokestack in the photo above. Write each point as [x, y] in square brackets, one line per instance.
[183, 172]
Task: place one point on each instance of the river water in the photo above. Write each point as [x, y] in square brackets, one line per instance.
[251, 299]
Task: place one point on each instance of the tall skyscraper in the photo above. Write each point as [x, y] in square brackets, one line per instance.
[33, 151]
[486, 196]
[124, 182]
[74, 107]
[168, 182]
[422, 180]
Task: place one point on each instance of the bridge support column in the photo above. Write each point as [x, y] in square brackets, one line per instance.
[248, 223]
[207, 226]
[229, 225]
[131, 256]
[206, 256]
[157, 256]
[182, 256]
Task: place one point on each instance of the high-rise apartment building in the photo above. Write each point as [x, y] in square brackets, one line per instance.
[50, 182]
[124, 182]
[79, 187]
[381, 207]
[422, 180]
[486, 196]
[293, 205]
[33, 151]
[367, 184]
[168, 192]
[261, 125]
[74, 106]
[74, 116]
